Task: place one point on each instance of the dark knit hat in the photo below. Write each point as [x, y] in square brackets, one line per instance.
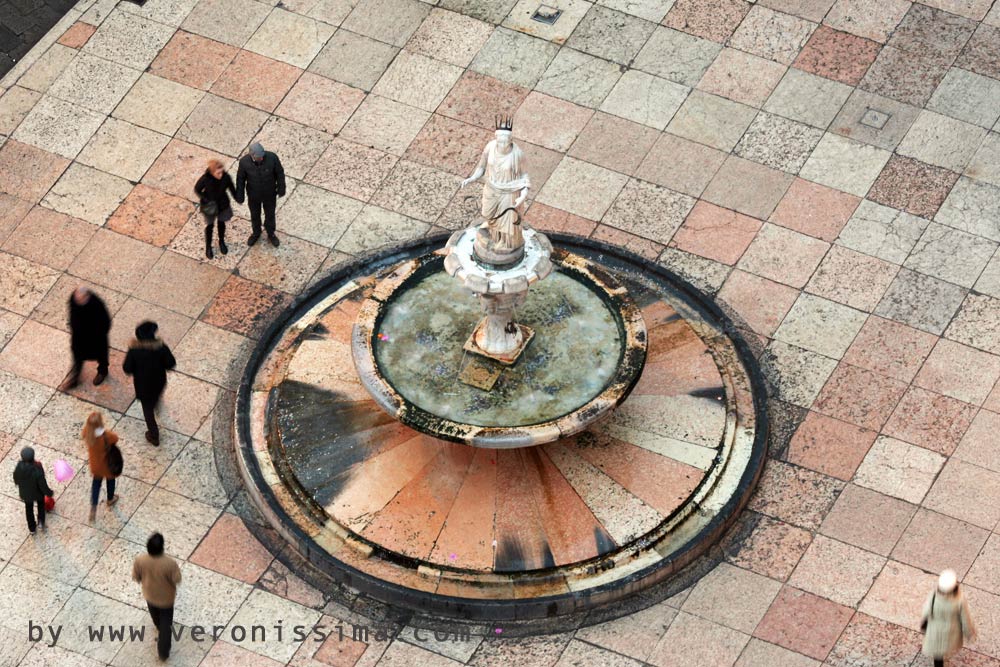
[146, 330]
[28, 454]
[256, 151]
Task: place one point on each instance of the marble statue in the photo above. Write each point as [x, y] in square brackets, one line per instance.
[505, 187]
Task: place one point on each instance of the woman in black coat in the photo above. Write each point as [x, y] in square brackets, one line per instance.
[148, 359]
[89, 324]
[211, 190]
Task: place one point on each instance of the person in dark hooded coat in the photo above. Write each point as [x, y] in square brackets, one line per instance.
[32, 486]
[260, 178]
[89, 324]
[148, 359]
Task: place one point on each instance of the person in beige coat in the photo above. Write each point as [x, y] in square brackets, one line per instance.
[946, 621]
[160, 576]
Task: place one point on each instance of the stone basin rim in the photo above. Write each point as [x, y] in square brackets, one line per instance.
[631, 360]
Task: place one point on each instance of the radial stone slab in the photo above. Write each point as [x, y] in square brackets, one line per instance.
[519, 533]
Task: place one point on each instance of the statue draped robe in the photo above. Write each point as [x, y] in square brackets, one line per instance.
[503, 180]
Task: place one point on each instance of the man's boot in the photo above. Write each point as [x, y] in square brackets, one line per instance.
[208, 241]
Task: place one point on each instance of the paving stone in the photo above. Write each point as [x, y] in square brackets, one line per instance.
[837, 55]
[970, 206]
[351, 169]
[47, 68]
[766, 546]
[926, 29]
[245, 307]
[882, 232]
[158, 104]
[871, 19]
[417, 80]
[384, 125]
[24, 284]
[84, 604]
[951, 255]
[871, 641]
[14, 106]
[890, 349]
[648, 210]
[212, 354]
[934, 542]
[67, 551]
[550, 122]
[899, 469]
[711, 19]
[352, 59]
[645, 99]
[375, 227]
[941, 141]
[582, 188]
[968, 97]
[416, 191]
[985, 571]
[978, 446]
[704, 274]
[287, 268]
[256, 81]
[820, 326]
[836, 571]
[633, 639]
[844, 164]
[87, 194]
[711, 120]
[317, 215]
[244, 20]
[680, 164]
[29, 355]
[898, 590]
[980, 53]
[742, 77]
[58, 127]
[807, 98]
[905, 76]
[123, 149]
[692, 640]
[260, 607]
[94, 83]
[772, 253]
[514, 57]
[772, 35]
[613, 143]
[579, 78]
[484, 10]
[221, 125]
[732, 597]
[985, 164]
[651, 10]
[913, 186]
[450, 37]
[759, 652]
[128, 39]
[192, 60]
[478, 99]
[778, 143]
[804, 623]
[290, 38]
[975, 323]
[850, 519]
[716, 233]
[815, 210]
[852, 278]
[930, 420]
[48, 237]
[28, 172]
[966, 492]
[185, 521]
[796, 495]
[300, 146]
[611, 35]
[874, 119]
[676, 56]
[760, 302]
[134, 259]
[859, 396]
[572, 12]
[77, 35]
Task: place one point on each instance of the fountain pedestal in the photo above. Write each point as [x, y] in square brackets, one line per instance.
[501, 288]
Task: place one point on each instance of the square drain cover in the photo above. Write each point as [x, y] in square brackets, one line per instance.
[546, 14]
[875, 118]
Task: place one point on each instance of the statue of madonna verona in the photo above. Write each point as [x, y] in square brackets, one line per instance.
[505, 187]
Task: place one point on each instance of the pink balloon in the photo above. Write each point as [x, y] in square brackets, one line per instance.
[64, 472]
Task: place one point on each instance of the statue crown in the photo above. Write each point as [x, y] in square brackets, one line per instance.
[504, 123]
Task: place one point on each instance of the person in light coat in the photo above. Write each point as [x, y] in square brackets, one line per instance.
[946, 621]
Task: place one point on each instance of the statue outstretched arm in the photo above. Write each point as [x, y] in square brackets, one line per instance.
[477, 173]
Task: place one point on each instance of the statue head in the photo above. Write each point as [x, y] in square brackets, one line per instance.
[504, 131]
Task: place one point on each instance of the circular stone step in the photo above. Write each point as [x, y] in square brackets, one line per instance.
[440, 527]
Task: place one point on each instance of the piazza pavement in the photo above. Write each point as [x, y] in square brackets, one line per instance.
[828, 170]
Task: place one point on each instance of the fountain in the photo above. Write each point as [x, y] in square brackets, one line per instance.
[491, 425]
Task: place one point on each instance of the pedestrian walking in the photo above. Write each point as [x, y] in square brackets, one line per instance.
[100, 441]
[160, 577]
[946, 622]
[262, 177]
[214, 203]
[32, 487]
[148, 359]
[89, 324]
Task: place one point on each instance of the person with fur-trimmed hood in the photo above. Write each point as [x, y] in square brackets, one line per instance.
[147, 361]
[32, 487]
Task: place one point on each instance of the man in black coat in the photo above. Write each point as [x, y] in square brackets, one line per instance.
[32, 486]
[148, 359]
[262, 177]
[89, 324]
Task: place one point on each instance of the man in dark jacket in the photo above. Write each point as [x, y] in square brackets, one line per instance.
[262, 177]
[89, 324]
[148, 359]
[32, 486]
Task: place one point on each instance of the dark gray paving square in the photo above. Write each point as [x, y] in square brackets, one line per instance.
[612, 35]
[677, 56]
[874, 119]
[807, 98]
[391, 21]
[921, 301]
[514, 57]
